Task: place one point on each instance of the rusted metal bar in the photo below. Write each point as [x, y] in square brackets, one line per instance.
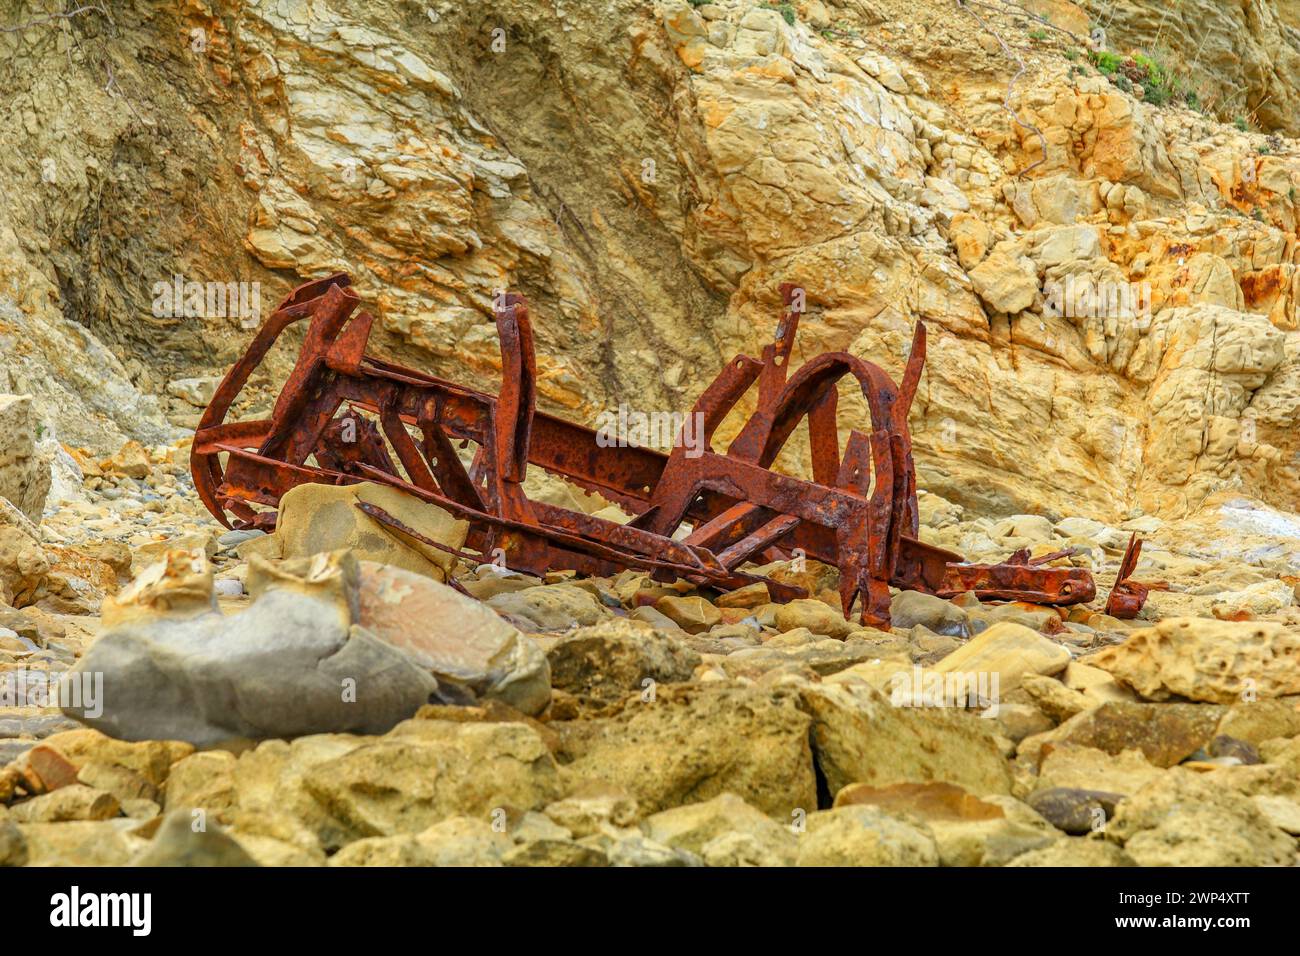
[344, 416]
[1127, 596]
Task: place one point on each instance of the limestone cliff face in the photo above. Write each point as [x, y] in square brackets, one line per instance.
[648, 173]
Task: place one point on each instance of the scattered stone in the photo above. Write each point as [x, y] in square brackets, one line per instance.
[1224, 746]
[233, 539]
[1018, 721]
[155, 551]
[1022, 530]
[928, 648]
[204, 780]
[25, 626]
[748, 597]
[531, 826]
[1035, 617]
[1285, 752]
[196, 391]
[73, 802]
[724, 827]
[968, 831]
[1075, 852]
[151, 759]
[431, 770]
[660, 622]
[177, 586]
[694, 615]
[183, 839]
[82, 843]
[459, 640]
[293, 662]
[1256, 600]
[1073, 810]
[129, 461]
[908, 609]
[798, 651]
[1261, 720]
[930, 801]
[555, 852]
[455, 841]
[140, 809]
[595, 810]
[859, 736]
[122, 782]
[1221, 662]
[816, 616]
[13, 845]
[1183, 820]
[1166, 733]
[1083, 768]
[616, 658]
[314, 519]
[24, 474]
[556, 607]
[1282, 812]
[1053, 698]
[488, 580]
[1008, 650]
[992, 842]
[228, 588]
[24, 567]
[639, 851]
[1094, 683]
[694, 742]
[35, 727]
[865, 836]
[813, 576]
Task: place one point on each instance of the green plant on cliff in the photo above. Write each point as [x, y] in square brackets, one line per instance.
[785, 9]
[1105, 61]
[1159, 84]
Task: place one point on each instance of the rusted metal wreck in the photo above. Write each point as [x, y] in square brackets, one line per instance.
[345, 416]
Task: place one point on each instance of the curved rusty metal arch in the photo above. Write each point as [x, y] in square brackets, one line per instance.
[300, 303]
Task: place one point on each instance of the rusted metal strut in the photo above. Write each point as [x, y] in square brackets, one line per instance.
[1128, 596]
[344, 416]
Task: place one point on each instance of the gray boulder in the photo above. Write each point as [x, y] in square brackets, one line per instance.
[292, 663]
[910, 608]
[182, 840]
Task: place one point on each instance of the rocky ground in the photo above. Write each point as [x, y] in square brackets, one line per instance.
[350, 709]
[648, 174]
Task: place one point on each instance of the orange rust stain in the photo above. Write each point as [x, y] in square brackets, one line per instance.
[99, 573]
[1262, 286]
[1234, 615]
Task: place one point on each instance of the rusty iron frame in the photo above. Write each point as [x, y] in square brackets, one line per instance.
[858, 512]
